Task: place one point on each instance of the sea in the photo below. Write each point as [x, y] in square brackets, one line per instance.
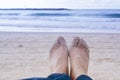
[60, 20]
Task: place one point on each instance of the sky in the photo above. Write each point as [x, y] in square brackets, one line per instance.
[71, 4]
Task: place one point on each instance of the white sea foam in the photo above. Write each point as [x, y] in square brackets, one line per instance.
[61, 30]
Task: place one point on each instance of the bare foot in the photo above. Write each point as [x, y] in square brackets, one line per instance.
[59, 57]
[79, 58]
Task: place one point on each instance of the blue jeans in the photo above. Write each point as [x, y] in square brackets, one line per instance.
[57, 76]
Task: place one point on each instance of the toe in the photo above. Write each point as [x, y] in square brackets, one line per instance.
[75, 41]
[61, 40]
[58, 42]
[82, 44]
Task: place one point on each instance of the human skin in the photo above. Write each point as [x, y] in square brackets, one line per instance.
[79, 58]
[59, 57]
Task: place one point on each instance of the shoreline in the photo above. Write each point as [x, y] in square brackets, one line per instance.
[60, 32]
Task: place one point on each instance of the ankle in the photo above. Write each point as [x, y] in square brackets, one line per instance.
[77, 73]
[60, 70]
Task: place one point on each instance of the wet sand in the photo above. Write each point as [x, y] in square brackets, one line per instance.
[24, 55]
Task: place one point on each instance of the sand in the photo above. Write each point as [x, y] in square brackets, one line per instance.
[24, 55]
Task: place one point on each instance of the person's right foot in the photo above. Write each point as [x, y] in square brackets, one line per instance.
[59, 57]
[79, 58]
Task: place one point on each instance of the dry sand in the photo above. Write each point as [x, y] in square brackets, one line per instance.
[24, 55]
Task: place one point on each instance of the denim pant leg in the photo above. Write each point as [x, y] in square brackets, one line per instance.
[36, 78]
[83, 77]
[57, 76]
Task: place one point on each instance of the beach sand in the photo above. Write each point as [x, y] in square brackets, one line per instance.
[24, 55]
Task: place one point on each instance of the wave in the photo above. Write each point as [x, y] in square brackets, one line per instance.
[110, 15]
[9, 14]
[50, 14]
[115, 15]
[60, 12]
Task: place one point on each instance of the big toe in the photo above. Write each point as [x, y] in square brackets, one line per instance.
[75, 41]
[61, 40]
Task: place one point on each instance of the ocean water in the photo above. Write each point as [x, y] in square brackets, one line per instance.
[60, 20]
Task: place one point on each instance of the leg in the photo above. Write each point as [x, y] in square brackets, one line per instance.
[59, 57]
[59, 60]
[79, 58]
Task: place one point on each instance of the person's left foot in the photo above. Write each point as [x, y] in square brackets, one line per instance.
[59, 57]
[79, 58]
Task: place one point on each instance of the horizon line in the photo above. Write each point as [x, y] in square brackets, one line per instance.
[40, 9]
[34, 9]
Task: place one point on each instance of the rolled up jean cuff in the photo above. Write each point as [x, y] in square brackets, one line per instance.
[83, 77]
